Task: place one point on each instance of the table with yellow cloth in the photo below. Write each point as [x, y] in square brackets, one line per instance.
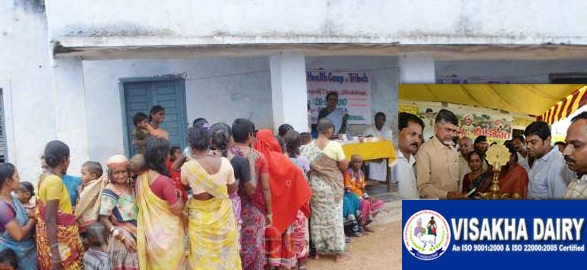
[370, 151]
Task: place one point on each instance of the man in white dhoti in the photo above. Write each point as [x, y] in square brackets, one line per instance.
[378, 168]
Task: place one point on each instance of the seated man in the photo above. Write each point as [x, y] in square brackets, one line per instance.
[378, 168]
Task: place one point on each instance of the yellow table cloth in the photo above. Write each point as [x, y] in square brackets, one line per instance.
[371, 150]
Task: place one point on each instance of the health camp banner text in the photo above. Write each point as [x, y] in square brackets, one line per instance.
[486, 234]
[354, 93]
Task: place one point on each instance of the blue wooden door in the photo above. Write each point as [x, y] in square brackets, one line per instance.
[140, 96]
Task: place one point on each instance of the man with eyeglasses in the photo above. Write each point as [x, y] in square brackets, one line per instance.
[437, 161]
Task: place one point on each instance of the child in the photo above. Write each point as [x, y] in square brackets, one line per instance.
[306, 138]
[8, 259]
[138, 165]
[88, 207]
[141, 132]
[96, 257]
[175, 154]
[25, 193]
[354, 182]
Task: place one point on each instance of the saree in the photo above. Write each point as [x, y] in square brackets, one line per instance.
[355, 182]
[69, 242]
[337, 118]
[514, 181]
[300, 234]
[212, 225]
[121, 210]
[326, 221]
[253, 214]
[481, 183]
[159, 232]
[290, 193]
[88, 206]
[351, 212]
[25, 249]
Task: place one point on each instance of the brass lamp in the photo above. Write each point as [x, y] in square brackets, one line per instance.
[497, 155]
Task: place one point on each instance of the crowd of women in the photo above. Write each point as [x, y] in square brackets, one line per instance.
[256, 201]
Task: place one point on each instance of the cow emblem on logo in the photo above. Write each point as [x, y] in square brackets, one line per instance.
[426, 235]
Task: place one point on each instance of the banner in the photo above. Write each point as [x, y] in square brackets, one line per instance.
[499, 234]
[497, 127]
[354, 93]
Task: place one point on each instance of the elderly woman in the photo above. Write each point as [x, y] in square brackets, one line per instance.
[58, 241]
[160, 232]
[15, 226]
[118, 213]
[327, 165]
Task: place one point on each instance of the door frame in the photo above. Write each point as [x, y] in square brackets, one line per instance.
[122, 81]
[10, 155]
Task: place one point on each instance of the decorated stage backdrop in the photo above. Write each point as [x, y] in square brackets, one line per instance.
[497, 127]
[354, 93]
[488, 234]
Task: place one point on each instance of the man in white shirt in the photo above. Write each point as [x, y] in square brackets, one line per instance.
[379, 129]
[575, 153]
[549, 175]
[429, 124]
[410, 131]
[378, 168]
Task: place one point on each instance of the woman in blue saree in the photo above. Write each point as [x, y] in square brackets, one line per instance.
[16, 226]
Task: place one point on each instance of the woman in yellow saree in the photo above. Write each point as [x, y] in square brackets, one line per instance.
[58, 242]
[160, 232]
[212, 224]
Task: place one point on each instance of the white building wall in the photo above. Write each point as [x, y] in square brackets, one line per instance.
[219, 90]
[505, 71]
[322, 21]
[384, 86]
[26, 80]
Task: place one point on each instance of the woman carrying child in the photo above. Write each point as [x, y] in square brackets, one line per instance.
[16, 227]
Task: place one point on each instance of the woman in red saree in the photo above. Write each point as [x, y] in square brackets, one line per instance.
[290, 193]
[513, 178]
[58, 241]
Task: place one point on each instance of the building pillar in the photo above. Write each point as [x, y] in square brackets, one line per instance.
[70, 110]
[289, 91]
[417, 69]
